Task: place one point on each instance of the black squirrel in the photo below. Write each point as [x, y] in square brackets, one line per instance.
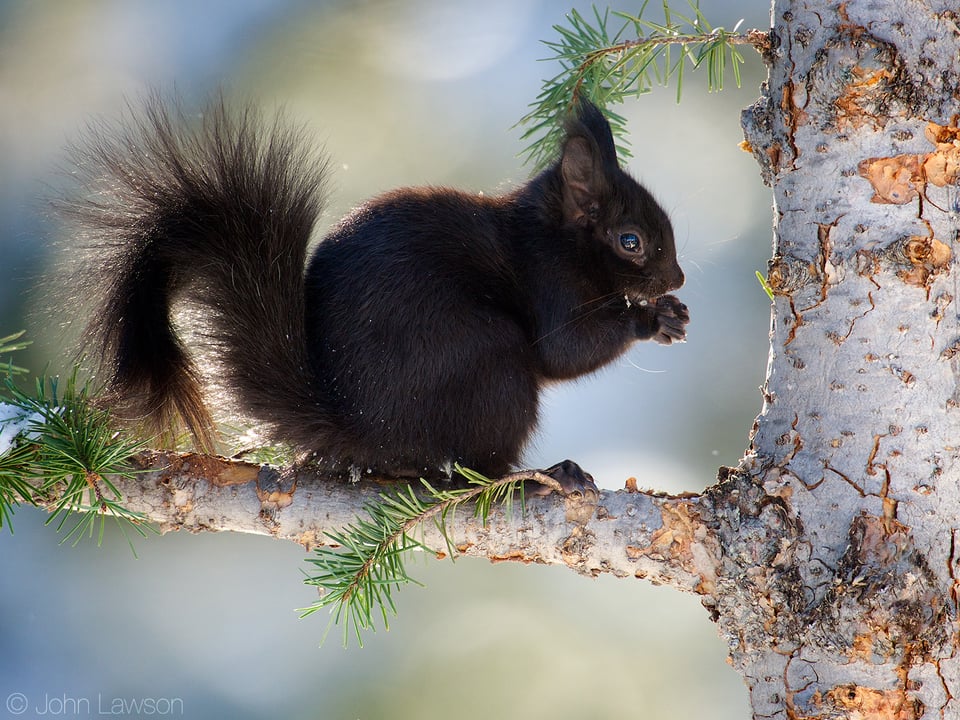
[422, 328]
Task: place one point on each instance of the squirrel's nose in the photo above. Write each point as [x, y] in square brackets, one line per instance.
[676, 278]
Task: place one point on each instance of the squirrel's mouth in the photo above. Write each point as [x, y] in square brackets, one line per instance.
[651, 290]
[639, 299]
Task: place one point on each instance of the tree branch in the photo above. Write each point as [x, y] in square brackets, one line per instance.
[625, 533]
[758, 39]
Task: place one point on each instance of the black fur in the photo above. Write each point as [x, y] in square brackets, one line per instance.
[426, 321]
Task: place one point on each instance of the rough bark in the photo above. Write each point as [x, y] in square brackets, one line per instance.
[838, 594]
[627, 533]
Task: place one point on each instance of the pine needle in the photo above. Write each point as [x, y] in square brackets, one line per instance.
[598, 64]
[357, 576]
[60, 451]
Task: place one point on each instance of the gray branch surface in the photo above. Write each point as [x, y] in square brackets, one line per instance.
[625, 533]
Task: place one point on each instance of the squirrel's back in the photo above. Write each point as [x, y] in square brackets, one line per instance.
[417, 320]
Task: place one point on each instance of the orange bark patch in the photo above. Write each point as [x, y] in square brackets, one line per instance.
[513, 556]
[894, 179]
[275, 499]
[901, 178]
[862, 648]
[676, 535]
[941, 168]
[675, 538]
[219, 471]
[851, 110]
[872, 704]
[927, 256]
[679, 541]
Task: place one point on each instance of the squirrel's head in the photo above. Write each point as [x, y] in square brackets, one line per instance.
[628, 230]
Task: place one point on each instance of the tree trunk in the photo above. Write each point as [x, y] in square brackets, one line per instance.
[836, 589]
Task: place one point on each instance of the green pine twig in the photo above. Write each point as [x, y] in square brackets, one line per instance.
[357, 578]
[12, 343]
[15, 489]
[605, 66]
[60, 451]
[764, 283]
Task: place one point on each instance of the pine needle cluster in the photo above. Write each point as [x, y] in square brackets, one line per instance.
[357, 575]
[59, 451]
[613, 56]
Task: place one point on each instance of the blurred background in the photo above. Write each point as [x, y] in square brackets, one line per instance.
[400, 93]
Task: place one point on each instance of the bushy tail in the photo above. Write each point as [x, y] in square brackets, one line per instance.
[219, 211]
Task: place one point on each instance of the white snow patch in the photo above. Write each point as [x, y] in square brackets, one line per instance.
[14, 421]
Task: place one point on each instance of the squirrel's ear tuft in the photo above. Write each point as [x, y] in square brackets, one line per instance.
[583, 180]
[589, 156]
[589, 120]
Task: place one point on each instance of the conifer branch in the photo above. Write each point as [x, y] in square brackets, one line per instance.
[357, 575]
[12, 343]
[59, 451]
[598, 64]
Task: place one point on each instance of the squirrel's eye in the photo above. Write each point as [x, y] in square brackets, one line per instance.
[630, 242]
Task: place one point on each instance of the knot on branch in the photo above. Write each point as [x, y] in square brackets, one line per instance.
[787, 274]
[859, 80]
[884, 603]
[880, 604]
[759, 593]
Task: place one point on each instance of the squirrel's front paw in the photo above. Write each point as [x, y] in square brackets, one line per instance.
[672, 317]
